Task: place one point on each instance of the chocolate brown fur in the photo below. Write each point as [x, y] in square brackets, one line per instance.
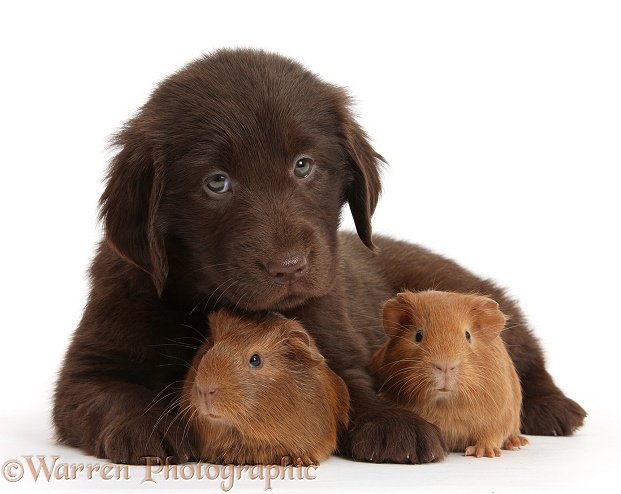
[288, 409]
[174, 250]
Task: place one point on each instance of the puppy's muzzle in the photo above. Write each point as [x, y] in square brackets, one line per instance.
[289, 270]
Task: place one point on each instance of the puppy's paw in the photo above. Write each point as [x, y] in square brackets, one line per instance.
[551, 415]
[393, 435]
[132, 440]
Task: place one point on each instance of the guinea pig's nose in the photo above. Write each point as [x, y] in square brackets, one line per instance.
[289, 270]
[447, 368]
[206, 394]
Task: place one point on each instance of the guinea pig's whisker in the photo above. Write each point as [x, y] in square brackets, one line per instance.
[222, 292]
[240, 286]
[241, 297]
[187, 428]
[166, 412]
[249, 296]
[174, 343]
[206, 300]
[162, 395]
[209, 266]
[197, 304]
[388, 366]
[201, 335]
[209, 296]
[175, 418]
[403, 337]
[186, 365]
[481, 375]
[174, 357]
[408, 372]
[185, 404]
[413, 386]
[401, 375]
[486, 389]
[476, 389]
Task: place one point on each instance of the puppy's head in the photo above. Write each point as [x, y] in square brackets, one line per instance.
[232, 176]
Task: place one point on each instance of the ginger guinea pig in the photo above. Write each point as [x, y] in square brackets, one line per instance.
[259, 392]
[445, 360]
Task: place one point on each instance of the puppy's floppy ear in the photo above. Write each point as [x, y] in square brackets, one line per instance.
[129, 203]
[364, 191]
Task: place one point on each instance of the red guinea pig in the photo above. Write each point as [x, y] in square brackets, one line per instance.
[259, 392]
[445, 360]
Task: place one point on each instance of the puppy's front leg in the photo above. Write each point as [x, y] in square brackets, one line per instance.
[380, 432]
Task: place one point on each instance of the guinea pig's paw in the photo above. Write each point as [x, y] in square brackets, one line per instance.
[298, 461]
[515, 441]
[551, 415]
[393, 435]
[135, 439]
[483, 449]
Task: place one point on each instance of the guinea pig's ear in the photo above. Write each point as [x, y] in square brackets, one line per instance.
[302, 348]
[364, 190]
[129, 204]
[397, 316]
[488, 319]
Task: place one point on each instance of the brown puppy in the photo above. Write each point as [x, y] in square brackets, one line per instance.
[259, 392]
[444, 359]
[226, 191]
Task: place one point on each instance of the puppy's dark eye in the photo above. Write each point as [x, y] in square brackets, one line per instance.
[218, 183]
[255, 361]
[303, 167]
[418, 337]
[468, 336]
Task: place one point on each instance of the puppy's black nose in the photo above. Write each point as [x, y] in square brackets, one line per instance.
[287, 271]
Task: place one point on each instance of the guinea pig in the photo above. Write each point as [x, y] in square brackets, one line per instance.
[259, 392]
[445, 360]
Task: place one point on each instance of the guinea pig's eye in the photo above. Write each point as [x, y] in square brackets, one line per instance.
[303, 167]
[255, 361]
[468, 336]
[418, 337]
[218, 183]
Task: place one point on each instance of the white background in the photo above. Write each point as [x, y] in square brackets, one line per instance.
[501, 122]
